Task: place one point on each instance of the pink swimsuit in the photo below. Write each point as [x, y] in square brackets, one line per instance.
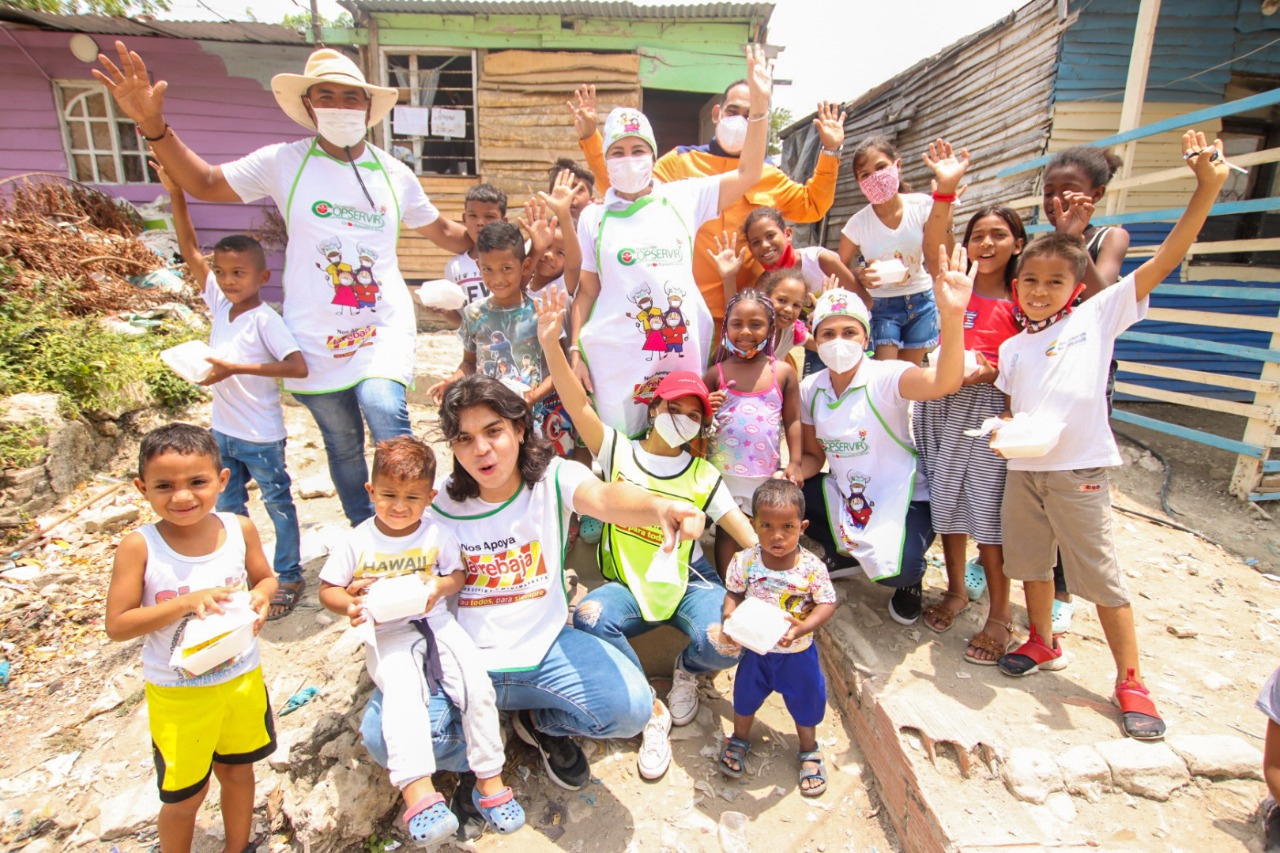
[748, 437]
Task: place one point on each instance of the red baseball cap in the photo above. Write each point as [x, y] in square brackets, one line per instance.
[684, 383]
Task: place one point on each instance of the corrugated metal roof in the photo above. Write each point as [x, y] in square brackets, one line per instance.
[231, 31]
[568, 8]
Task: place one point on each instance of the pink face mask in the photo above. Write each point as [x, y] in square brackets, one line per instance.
[880, 186]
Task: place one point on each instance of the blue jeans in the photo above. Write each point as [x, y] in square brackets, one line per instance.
[265, 464]
[905, 322]
[582, 688]
[337, 414]
[612, 613]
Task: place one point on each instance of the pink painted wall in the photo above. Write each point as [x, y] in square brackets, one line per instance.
[218, 99]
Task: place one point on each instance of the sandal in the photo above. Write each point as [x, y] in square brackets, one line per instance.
[735, 749]
[1141, 719]
[989, 644]
[501, 811]
[286, 598]
[941, 615]
[975, 579]
[814, 757]
[429, 821]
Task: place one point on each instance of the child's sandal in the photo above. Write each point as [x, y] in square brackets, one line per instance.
[735, 749]
[429, 821]
[501, 811]
[1141, 720]
[820, 788]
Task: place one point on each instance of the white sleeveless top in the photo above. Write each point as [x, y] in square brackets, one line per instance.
[170, 574]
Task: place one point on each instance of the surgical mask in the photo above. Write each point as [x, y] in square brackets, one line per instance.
[676, 430]
[880, 186]
[731, 133]
[343, 128]
[840, 355]
[630, 174]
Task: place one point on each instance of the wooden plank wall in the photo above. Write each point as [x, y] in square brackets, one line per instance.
[420, 259]
[991, 93]
[524, 124]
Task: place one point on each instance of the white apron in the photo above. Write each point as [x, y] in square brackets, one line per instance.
[344, 298]
[872, 479]
[649, 318]
[513, 602]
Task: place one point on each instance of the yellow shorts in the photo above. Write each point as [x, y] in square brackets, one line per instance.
[192, 727]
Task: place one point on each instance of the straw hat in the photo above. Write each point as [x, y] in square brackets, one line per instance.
[328, 66]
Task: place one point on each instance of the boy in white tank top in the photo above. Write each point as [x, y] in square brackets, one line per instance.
[188, 565]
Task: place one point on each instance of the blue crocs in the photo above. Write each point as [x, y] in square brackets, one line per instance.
[975, 579]
[590, 529]
[430, 822]
[501, 810]
[1062, 613]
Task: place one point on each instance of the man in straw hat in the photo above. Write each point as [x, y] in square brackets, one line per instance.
[337, 194]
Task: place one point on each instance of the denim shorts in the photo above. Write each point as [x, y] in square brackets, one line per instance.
[905, 322]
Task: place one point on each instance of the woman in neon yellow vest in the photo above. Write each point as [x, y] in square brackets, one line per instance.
[645, 590]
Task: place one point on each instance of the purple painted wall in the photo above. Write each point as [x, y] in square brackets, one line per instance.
[218, 99]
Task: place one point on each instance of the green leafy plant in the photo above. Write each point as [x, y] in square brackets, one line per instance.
[22, 445]
[376, 843]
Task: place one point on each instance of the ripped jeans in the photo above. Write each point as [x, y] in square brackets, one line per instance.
[612, 614]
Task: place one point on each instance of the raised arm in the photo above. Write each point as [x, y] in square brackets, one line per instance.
[143, 102]
[952, 288]
[735, 184]
[558, 201]
[631, 506]
[550, 325]
[1210, 167]
[447, 234]
[948, 168]
[810, 201]
[583, 303]
[188, 242]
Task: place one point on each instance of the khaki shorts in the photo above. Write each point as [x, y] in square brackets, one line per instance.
[1045, 512]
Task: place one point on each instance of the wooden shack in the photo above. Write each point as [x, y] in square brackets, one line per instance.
[497, 75]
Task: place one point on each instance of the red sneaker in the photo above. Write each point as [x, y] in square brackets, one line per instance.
[1033, 656]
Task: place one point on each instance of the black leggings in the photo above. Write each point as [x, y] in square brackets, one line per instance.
[919, 535]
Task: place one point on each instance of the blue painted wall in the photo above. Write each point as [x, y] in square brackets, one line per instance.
[1191, 36]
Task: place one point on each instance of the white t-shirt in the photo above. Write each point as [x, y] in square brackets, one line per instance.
[721, 501]
[514, 602]
[878, 243]
[464, 271]
[695, 200]
[367, 552]
[345, 300]
[811, 268]
[247, 407]
[1061, 374]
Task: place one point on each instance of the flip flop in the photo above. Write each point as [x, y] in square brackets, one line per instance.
[286, 598]
[1141, 720]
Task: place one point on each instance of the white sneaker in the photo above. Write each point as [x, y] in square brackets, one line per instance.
[655, 748]
[683, 697]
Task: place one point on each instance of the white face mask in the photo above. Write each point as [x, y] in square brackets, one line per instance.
[630, 174]
[840, 355]
[731, 133]
[676, 430]
[343, 128]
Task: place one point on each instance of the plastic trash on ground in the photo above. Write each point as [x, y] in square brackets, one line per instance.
[757, 625]
[732, 832]
[442, 295]
[216, 638]
[188, 360]
[1025, 437]
[390, 599]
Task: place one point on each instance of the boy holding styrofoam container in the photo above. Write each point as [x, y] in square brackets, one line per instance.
[196, 586]
[777, 595]
[1057, 495]
[391, 578]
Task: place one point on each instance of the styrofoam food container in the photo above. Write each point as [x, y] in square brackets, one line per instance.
[389, 599]
[217, 638]
[188, 360]
[442, 295]
[891, 271]
[1027, 436]
[757, 625]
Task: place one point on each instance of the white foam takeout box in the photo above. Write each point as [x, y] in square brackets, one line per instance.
[1027, 436]
[757, 625]
[442, 295]
[188, 360]
[889, 272]
[389, 599]
[217, 638]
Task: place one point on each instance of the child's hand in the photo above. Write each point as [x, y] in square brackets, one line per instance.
[830, 125]
[795, 632]
[355, 613]
[539, 228]
[717, 397]
[952, 287]
[726, 255]
[561, 195]
[436, 391]
[830, 282]
[433, 593]
[550, 305]
[985, 374]
[791, 472]
[165, 181]
[1200, 156]
[947, 166]
[260, 604]
[585, 118]
[1072, 212]
[205, 601]
[221, 370]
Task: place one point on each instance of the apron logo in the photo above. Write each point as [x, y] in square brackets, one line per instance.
[838, 447]
[352, 217]
[505, 577]
[626, 257]
[858, 504]
[322, 209]
[652, 255]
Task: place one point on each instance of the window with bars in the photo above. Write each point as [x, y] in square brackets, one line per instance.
[102, 145]
[433, 128]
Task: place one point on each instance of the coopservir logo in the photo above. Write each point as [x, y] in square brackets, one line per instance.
[352, 216]
[654, 255]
